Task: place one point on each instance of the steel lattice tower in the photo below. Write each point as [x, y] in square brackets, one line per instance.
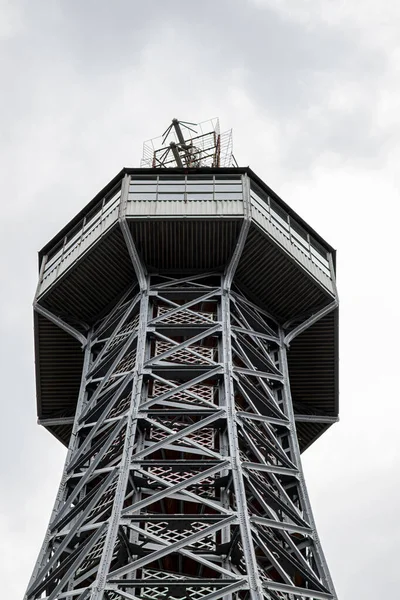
[186, 352]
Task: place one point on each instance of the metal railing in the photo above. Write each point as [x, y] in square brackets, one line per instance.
[83, 235]
[179, 188]
[291, 230]
[185, 188]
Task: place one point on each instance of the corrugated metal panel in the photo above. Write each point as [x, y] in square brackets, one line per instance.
[61, 432]
[59, 361]
[205, 241]
[82, 295]
[280, 285]
[185, 245]
[286, 291]
[308, 433]
[177, 208]
[313, 368]
[228, 171]
[85, 239]
[299, 256]
[97, 279]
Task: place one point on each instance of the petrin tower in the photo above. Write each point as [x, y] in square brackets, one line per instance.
[186, 353]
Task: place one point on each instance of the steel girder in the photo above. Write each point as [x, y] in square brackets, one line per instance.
[183, 477]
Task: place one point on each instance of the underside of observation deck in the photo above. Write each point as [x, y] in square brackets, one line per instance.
[88, 267]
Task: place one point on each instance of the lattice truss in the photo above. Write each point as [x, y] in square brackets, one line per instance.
[181, 480]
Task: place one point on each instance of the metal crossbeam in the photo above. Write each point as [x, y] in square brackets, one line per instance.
[183, 477]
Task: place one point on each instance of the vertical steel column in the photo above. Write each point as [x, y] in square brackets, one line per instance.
[124, 466]
[267, 543]
[183, 479]
[60, 498]
[296, 458]
[255, 584]
[232, 441]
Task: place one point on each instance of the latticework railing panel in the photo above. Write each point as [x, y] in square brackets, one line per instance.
[205, 436]
[204, 392]
[178, 592]
[186, 355]
[169, 493]
[123, 333]
[184, 317]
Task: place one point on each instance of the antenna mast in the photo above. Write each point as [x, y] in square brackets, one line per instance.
[190, 145]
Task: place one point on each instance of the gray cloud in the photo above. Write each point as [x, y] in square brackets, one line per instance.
[84, 83]
[83, 54]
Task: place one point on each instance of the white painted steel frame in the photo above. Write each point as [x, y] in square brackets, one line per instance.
[121, 210]
[183, 476]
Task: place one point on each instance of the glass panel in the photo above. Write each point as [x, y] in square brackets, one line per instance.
[298, 238]
[152, 187]
[84, 228]
[223, 187]
[200, 196]
[227, 196]
[141, 196]
[228, 178]
[320, 265]
[315, 254]
[52, 260]
[260, 202]
[72, 241]
[298, 231]
[278, 211]
[143, 179]
[199, 187]
[174, 196]
[318, 249]
[111, 205]
[263, 209]
[301, 247]
[171, 187]
[278, 219]
[278, 225]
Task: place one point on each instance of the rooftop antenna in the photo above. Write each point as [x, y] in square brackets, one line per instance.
[181, 149]
[189, 145]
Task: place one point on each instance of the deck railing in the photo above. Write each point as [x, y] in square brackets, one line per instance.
[290, 229]
[82, 236]
[204, 191]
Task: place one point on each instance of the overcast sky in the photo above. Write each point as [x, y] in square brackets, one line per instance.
[311, 89]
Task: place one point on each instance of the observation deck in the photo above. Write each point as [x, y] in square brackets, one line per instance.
[186, 221]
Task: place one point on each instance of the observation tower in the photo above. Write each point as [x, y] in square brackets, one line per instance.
[186, 354]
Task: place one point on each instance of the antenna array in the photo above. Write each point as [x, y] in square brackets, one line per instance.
[190, 145]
